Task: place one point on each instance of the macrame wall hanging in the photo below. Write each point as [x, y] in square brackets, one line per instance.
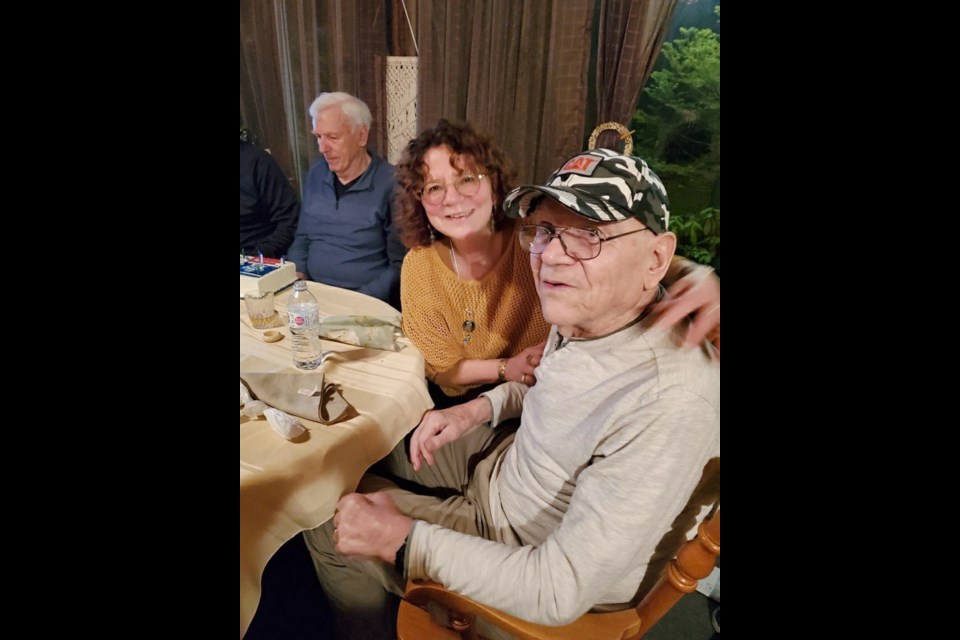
[401, 104]
[401, 99]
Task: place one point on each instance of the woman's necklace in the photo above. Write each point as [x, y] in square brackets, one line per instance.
[468, 324]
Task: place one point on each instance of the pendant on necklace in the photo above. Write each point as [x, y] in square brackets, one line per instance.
[468, 326]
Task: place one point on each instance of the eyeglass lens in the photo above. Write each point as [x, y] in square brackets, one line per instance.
[466, 185]
[582, 244]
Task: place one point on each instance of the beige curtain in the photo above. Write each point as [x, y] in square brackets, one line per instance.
[517, 69]
[261, 96]
[353, 41]
[630, 35]
[291, 51]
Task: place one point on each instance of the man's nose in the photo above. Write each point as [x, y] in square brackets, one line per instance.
[554, 252]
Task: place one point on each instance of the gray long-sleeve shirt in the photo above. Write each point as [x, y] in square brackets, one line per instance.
[614, 438]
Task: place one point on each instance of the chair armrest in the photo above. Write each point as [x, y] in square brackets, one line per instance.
[619, 624]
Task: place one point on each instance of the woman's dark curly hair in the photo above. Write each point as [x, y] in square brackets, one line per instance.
[463, 140]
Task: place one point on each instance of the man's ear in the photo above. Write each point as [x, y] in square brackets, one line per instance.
[663, 248]
[363, 133]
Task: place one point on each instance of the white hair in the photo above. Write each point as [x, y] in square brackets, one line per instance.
[356, 110]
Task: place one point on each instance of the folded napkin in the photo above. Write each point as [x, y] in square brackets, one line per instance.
[305, 395]
[376, 332]
[334, 407]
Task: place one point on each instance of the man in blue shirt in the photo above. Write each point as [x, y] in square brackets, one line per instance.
[346, 237]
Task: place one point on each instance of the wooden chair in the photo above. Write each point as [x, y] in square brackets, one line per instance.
[694, 561]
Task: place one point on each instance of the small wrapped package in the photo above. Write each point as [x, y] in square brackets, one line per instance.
[284, 424]
[253, 408]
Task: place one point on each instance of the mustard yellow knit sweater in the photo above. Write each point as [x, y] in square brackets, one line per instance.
[505, 303]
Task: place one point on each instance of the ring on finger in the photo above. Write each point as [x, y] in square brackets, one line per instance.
[523, 379]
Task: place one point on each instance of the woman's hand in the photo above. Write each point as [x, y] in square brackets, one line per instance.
[697, 293]
[520, 367]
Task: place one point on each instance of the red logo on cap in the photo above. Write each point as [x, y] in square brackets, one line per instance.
[581, 164]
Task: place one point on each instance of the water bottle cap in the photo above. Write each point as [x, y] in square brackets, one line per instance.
[300, 285]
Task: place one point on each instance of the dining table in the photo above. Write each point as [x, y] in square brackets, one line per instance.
[292, 485]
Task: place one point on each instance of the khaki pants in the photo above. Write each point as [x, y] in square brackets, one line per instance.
[454, 493]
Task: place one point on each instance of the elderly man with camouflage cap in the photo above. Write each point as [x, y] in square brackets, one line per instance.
[609, 470]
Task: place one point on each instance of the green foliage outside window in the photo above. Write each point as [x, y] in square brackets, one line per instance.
[677, 128]
[698, 235]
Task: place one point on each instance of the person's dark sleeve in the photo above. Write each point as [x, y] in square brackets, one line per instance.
[281, 203]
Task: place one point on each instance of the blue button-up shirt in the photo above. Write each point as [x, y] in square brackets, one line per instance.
[350, 242]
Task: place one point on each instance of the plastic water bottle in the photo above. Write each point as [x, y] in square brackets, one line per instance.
[304, 322]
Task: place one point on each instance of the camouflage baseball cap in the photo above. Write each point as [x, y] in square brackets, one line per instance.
[601, 185]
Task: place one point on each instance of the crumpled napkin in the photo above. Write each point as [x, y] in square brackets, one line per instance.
[376, 332]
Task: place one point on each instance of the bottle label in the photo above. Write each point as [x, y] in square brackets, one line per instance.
[303, 318]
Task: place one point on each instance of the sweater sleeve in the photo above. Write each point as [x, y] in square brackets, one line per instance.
[641, 477]
[423, 319]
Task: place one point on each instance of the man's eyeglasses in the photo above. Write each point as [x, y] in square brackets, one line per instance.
[466, 185]
[578, 243]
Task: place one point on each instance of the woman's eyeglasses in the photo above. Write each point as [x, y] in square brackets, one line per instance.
[466, 185]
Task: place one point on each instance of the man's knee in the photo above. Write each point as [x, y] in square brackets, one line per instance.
[355, 582]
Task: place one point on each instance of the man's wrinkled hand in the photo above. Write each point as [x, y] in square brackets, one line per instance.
[438, 428]
[369, 525]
